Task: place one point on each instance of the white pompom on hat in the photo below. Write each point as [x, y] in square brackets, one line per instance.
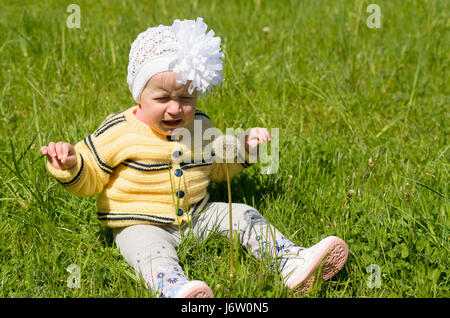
[184, 48]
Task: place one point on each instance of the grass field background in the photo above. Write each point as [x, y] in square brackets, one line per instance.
[363, 116]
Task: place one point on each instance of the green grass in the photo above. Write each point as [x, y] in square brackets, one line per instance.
[364, 124]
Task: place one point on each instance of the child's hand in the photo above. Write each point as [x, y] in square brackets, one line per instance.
[256, 136]
[61, 155]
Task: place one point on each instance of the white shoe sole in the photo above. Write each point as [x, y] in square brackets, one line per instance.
[195, 289]
[330, 259]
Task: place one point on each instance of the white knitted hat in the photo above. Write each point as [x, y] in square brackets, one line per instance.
[184, 48]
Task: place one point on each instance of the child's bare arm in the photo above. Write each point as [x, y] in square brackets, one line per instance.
[61, 155]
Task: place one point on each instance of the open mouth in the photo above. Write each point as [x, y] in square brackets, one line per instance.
[172, 123]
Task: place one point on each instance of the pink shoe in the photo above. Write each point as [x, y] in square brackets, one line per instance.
[195, 289]
[330, 253]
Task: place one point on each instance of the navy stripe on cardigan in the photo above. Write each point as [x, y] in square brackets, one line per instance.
[76, 178]
[200, 113]
[146, 167]
[124, 216]
[148, 220]
[110, 119]
[101, 164]
[109, 124]
[185, 166]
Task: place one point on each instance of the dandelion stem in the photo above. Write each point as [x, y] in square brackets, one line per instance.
[231, 223]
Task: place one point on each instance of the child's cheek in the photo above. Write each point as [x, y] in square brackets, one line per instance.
[189, 116]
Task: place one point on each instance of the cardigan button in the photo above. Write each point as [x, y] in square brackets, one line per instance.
[176, 153]
[178, 172]
[180, 194]
[180, 212]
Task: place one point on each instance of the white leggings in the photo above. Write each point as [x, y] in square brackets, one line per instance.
[151, 249]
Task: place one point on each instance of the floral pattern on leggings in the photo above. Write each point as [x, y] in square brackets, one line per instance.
[265, 241]
[167, 281]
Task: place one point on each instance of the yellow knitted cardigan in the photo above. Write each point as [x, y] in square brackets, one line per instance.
[141, 176]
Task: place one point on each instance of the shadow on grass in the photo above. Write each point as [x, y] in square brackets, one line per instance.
[105, 236]
[247, 187]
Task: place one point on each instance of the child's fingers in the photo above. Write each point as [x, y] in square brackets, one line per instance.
[71, 150]
[269, 138]
[59, 150]
[55, 163]
[256, 136]
[70, 162]
[265, 134]
[262, 134]
[253, 139]
[61, 154]
[52, 149]
[65, 150]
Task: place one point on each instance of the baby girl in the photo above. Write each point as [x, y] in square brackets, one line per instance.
[150, 168]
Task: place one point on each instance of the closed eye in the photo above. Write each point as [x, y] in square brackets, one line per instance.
[166, 98]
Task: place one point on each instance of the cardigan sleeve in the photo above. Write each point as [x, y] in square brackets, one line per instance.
[95, 161]
[86, 178]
